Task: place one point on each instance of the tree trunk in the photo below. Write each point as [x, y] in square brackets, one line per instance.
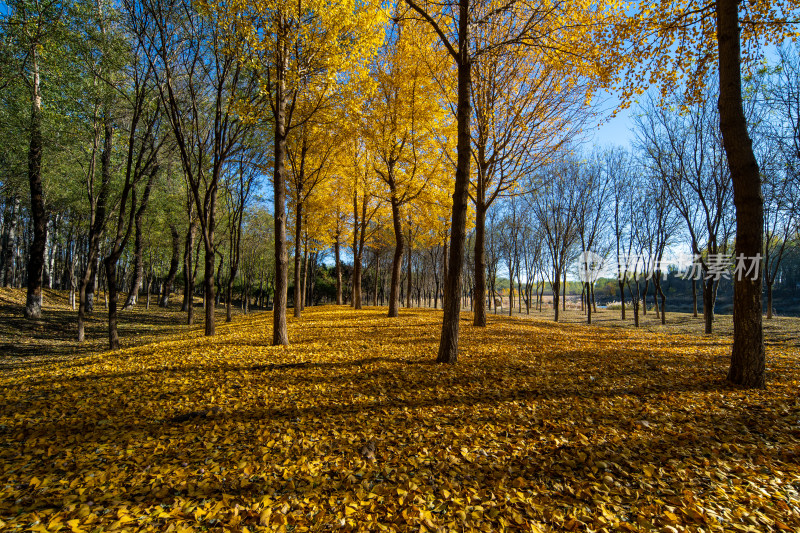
[338, 271]
[448, 344]
[397, 259]
[409, 280]
[138, 258]
[556, 287]
[357, 282]
[280, 335]
[588, 303]
[188, 271]
[304, 281]
[298, 303]
[377, 279]
[708, 305]
[747, 357]
[209, 287]
[694, 298]
[33, 302]
[173, 267]
[111, 294]
[10, 218]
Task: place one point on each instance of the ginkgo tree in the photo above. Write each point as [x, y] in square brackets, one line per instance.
[401, 122]
[526, 105]
[303, 50]
[566, 29]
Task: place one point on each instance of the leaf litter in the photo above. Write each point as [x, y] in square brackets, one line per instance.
[539, 427]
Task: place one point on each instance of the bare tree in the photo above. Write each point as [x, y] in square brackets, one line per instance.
[686, 152]
[555, 205]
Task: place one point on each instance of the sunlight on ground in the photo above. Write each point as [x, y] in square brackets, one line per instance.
[538, 427]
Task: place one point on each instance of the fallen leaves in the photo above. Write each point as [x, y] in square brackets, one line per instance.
[540, 427]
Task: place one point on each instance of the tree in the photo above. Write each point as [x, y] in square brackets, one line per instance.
[686, 152]
[33, 27]
[514, 26]
[778, 147]
[690, 37]
[555, 207]
[204, 82]
[526, 105]
[400, 124]
[302, 48]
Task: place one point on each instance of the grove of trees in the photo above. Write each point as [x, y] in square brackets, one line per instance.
[413, 154]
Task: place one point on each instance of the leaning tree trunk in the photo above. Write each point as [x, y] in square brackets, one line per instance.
[747, 357]
[33, 302]
[173, 267]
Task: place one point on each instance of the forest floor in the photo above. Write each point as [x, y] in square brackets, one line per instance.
[53, 337]
[539, 427]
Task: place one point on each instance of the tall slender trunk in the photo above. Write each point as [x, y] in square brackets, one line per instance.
[556, 286]
[173, 267]
[209, 287]
[338, 270]
[588, 303]
[280, 335]
[747, 357]
[96, 223]
[694, 298]
[298, 229]
[188, 271]
[33, 302]
[622, 298]
[448, 343]
[10, 218]
[663, 297]
[112, 297]
[377, 279]
[397, 259]
[409, 280]
[510, 291]
[304, 281]
[138, 253]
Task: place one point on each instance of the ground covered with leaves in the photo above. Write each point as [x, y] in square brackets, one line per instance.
[539, 427]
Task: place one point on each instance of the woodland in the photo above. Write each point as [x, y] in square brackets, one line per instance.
[358, 265]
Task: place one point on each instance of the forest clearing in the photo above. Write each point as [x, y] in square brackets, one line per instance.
[353, 426]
